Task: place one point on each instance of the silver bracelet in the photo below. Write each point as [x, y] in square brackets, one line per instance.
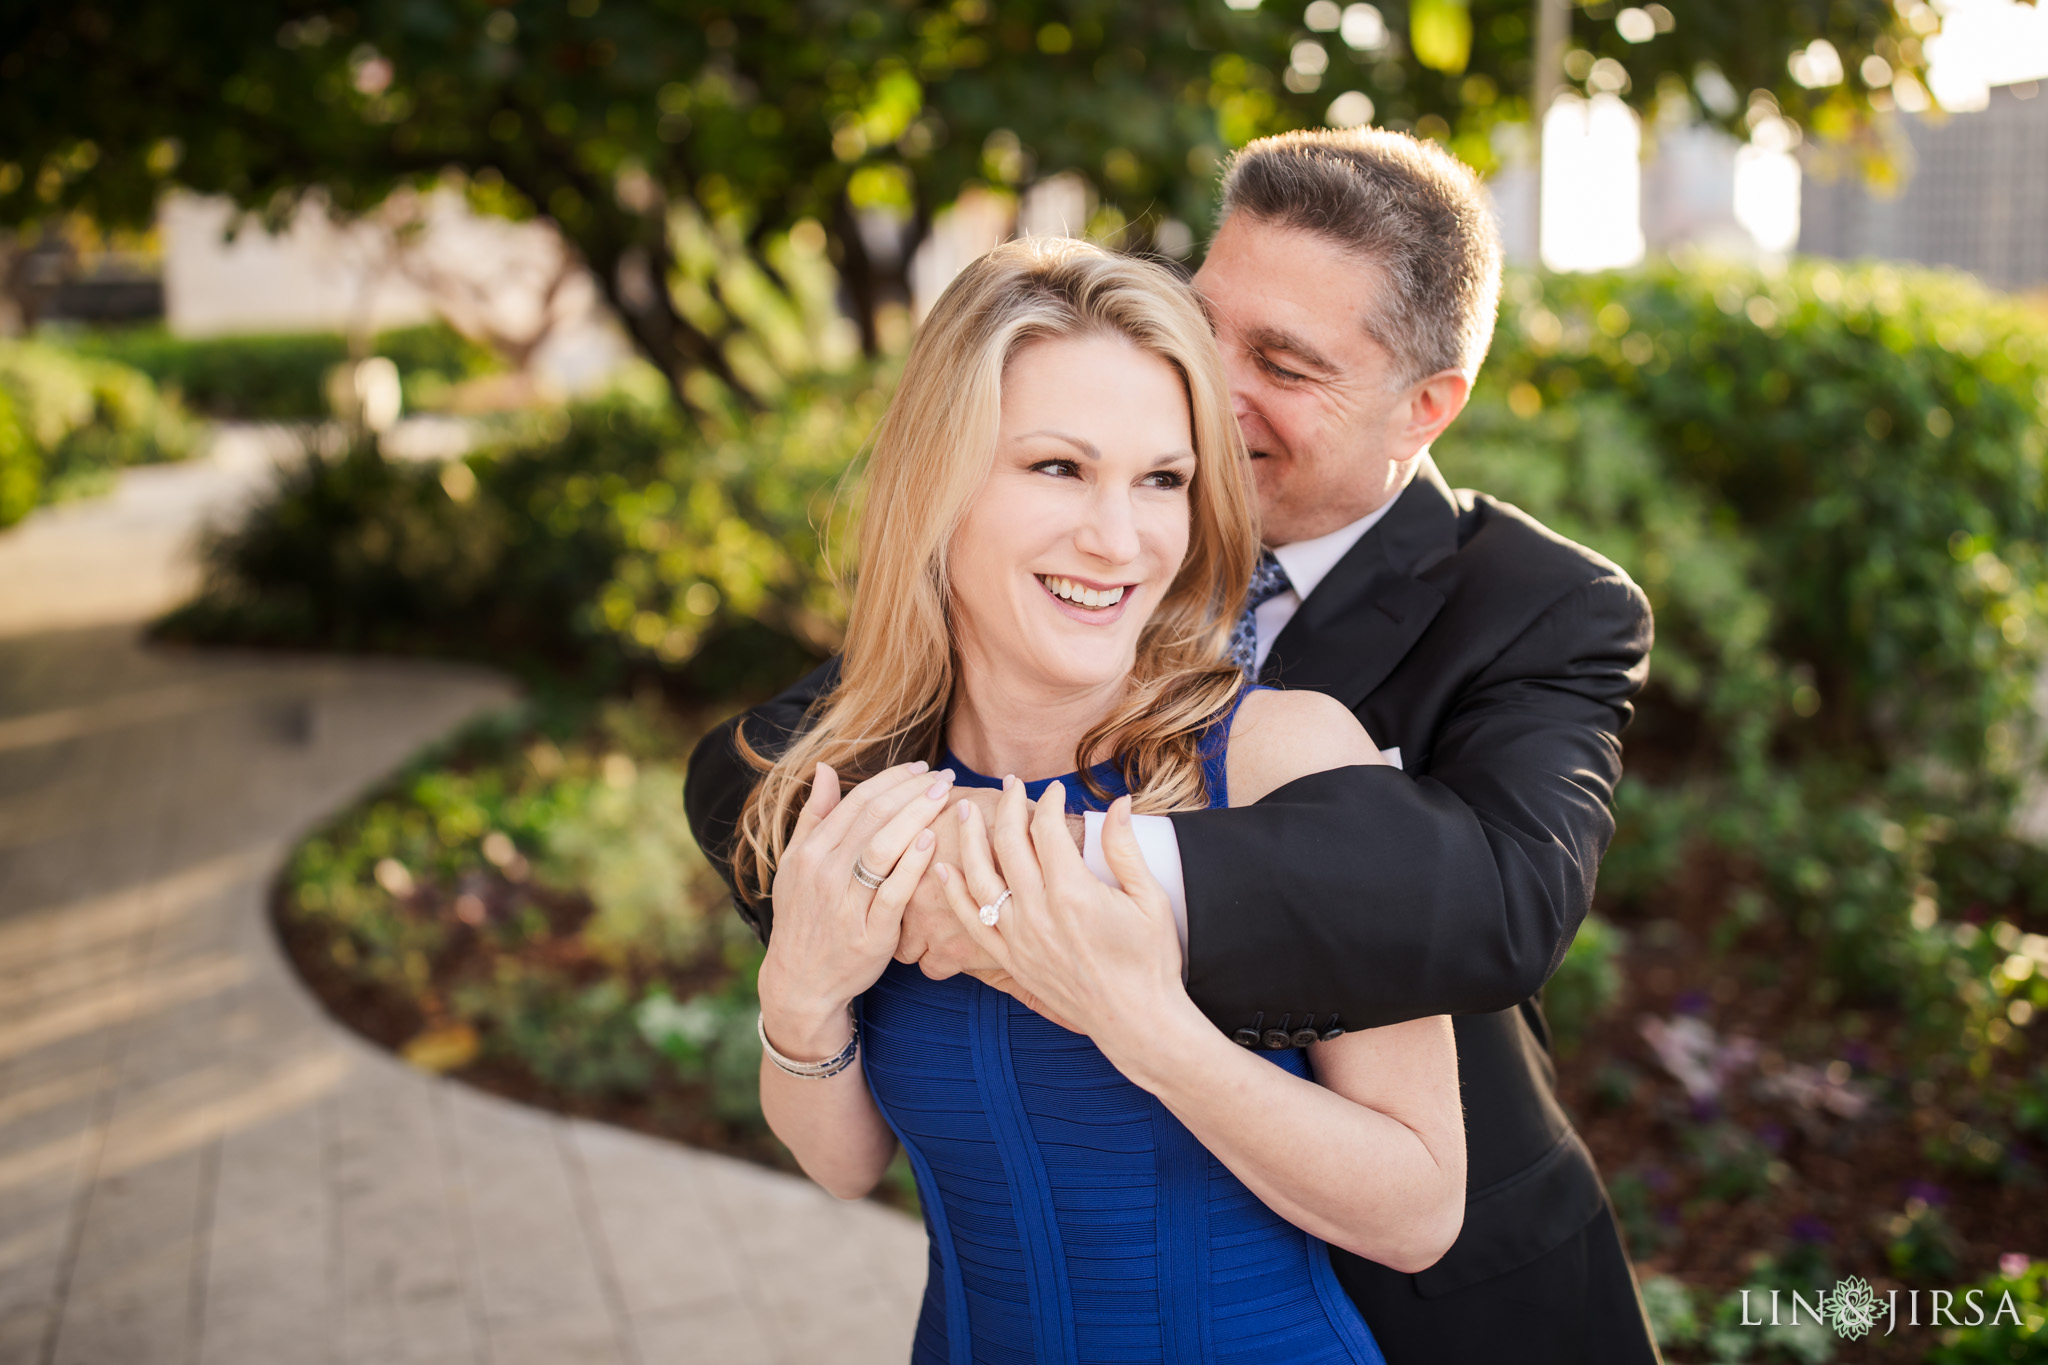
[812, 1071]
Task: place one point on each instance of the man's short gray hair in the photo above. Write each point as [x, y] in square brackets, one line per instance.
[1406, 205]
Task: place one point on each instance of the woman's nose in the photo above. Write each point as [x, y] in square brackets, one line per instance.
[1110, 531]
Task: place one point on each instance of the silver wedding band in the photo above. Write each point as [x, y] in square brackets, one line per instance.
[866, 877]
[993, 911]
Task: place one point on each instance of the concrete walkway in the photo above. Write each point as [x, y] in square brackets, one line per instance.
[196, 1165]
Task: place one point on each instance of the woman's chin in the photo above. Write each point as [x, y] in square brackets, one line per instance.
[1083, 670]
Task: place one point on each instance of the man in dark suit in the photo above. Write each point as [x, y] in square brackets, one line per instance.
[1353, 285]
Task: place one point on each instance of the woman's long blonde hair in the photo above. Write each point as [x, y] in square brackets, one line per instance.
[932, 452]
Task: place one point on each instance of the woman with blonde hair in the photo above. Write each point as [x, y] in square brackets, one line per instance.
[1057, 533]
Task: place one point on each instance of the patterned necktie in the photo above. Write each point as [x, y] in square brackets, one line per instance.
[1269, 580]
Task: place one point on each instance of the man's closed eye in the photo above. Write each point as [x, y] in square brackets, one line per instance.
[1279, 371]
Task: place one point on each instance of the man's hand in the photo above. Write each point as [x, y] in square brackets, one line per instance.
[931, 936]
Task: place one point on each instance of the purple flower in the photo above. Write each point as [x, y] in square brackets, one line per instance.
[1771, 1136]
[1926, 1192]
[1809, 1229]
[1691, 1002]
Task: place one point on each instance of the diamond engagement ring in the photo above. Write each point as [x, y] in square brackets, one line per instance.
[993, 911]
[866, 876]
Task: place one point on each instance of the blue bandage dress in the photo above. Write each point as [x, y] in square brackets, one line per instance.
[1072, 1217]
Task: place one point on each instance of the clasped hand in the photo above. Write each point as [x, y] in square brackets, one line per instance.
[833, 934]
[1097, 959]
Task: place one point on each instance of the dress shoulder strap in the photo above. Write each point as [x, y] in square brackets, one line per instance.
[1216, 749]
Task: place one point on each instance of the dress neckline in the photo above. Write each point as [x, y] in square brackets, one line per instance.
[1105, 773]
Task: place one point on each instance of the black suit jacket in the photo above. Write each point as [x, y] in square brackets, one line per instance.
[1501, 659]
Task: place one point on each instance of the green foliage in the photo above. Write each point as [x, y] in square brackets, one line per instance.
[1830, 483]
[1733, 1164]
[1585, 985]
[1999, 1340]
[1674, 1317]
[624, 842]
[784, 118]
[67, 423]
[358, 552]
[1920, 1245]
[1635, 1208]
[579, 1041]
[591, 543]
[535, 880]
[711, 1038]
[283, 377]
[737, 524]
[1876, 434]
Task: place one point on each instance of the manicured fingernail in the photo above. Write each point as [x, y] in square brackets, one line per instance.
[962, 808]
[924, 839]
[919, 766]
[945, 873]
[938, 786]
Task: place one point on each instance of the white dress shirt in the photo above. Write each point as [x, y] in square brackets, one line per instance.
[1308, 563]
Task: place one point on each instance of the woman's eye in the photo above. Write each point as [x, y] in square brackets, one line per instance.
[1059, 469]
[1166, 478]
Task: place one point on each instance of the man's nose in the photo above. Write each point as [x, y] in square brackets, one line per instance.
[1242, 381]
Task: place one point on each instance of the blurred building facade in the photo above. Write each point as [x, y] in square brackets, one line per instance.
[515, 285]
[1975, 195]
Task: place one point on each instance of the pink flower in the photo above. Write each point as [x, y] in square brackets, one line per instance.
[2012, 1265]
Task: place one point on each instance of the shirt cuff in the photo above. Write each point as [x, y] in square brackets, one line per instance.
[1161, 850]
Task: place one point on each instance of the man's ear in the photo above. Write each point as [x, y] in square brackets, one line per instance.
[1432, 404]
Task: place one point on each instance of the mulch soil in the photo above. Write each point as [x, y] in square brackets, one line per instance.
[1841, 1183]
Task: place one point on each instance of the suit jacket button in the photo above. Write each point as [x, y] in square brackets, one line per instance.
[1277, 1041]
[1306, 1034]
[1245, 1037]
[1332, 1034]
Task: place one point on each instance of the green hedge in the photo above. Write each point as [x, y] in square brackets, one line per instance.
[1830, 482]
[67, 422]
[594, 542]
[283, 377]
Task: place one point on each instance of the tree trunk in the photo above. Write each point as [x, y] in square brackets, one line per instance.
[634, 278]
[857, 276]
[628, 254]
[1553, 38]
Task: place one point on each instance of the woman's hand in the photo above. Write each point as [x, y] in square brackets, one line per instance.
[833, 936]
[1095, 959]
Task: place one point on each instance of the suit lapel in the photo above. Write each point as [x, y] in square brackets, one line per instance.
[1366, 615]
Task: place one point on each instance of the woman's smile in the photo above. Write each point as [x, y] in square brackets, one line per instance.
[1082, 599]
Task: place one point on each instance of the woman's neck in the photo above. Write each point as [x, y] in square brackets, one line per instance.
[1002, 726]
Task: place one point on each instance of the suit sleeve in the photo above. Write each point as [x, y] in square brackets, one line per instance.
[1381, 896]
[718, 782]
